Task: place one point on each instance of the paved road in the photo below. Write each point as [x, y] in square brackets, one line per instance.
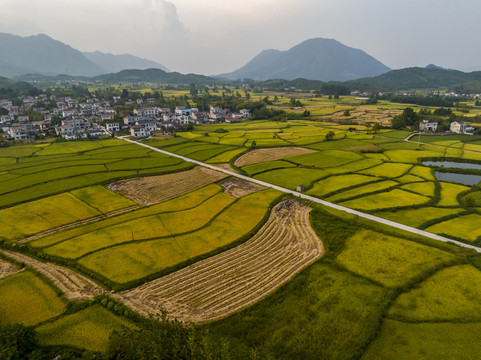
[313, 199]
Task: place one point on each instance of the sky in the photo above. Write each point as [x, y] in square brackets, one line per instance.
[216, 36]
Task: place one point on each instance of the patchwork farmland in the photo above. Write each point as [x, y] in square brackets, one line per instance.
[127, 231]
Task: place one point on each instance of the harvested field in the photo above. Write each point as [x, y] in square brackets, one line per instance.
[263, 155]
[74, 286]
[239, 188]
[7, 269]
[237, 278]
[154, 189]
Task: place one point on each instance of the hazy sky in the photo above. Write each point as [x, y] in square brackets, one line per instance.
[215, 36]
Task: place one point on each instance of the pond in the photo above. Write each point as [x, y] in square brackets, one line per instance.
[452, 164]
[465, 179]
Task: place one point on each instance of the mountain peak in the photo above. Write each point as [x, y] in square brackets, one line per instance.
[313, 59]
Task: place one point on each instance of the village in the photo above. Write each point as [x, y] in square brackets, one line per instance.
[72, 120]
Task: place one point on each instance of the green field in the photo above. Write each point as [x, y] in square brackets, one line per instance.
[28, 300]
[86, 329]
[389, 260]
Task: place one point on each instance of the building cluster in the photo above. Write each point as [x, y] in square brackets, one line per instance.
[146, 120]
[67, 118]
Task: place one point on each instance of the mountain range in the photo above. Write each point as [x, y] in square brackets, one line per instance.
[313, 59]
[40, 54]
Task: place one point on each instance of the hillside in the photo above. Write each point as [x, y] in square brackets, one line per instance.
[115, 63]
[42, 54]
[156, 76]
[12, 84]
[415, 78]
[313, 59]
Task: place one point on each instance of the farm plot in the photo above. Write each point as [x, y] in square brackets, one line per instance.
[154, 189]
[271, 154]
[292, 177]
[452, 294]
[133, 261]
[385, 200]
[417, 217]
[405, 341]
[149, 227]
[59, 167]
[184, 202]
[26, 299]
[326, 158]
[239, 188]
[466, 227]
[56, 211]
[389, 260]
[89, 329]
[338, 182]
[74, 286]
[225, 283]
[267, 166]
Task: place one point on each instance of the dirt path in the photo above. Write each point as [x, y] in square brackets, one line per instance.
[77, 223]
[7, 269]
[228, 282]
[154, 189]
[74, 286]
[270, 154]
[239, 188]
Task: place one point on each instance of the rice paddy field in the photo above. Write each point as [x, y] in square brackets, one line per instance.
[374, 293]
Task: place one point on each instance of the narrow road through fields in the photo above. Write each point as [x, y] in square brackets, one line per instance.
[313, 199]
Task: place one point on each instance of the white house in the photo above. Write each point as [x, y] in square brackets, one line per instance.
[460, 127]
[426, 125]
[138, 131]
[111, 127]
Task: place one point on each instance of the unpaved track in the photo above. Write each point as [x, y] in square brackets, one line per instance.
[230, 281]
[317, 200]
[77, 223]
[7, 269]
[154, 189]
[270, 154]
[74, 286]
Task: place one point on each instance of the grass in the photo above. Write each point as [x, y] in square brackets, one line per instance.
[411, 156]
[406, 341]
[102, 199]
[291, 178]
[224, 157]
[389, 170]
[36, 216]
[150, 227]
[128, 262]
[423, 172]
[26, 299]
[365, 189]
[266, 166]
[389, 260]
[466, 227]
[384, 200]
[472, 199]
[452, 294]
[180, 203]
[335, 183]
[417, 217]
[423, 188]
[449, 193]
[323, 312]
[327, 158]
[88, 329]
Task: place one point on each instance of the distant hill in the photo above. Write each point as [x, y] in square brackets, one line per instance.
[42, 54]
[12, 84]
[415, 78]
[314, 59]
[156, 76]
[115, 63]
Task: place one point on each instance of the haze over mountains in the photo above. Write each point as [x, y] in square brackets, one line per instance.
[313, 59]
[40, 54]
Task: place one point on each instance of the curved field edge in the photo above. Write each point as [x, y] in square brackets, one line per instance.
[237, 278]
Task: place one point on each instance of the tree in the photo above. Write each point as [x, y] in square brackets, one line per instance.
[125, 94]
[330, 135]
[347, 113]
[16, 341]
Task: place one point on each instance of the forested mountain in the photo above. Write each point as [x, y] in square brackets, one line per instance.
[114, 63]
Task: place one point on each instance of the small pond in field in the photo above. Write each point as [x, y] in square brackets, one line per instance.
[465, 179]
[453, 164]
[452, 176]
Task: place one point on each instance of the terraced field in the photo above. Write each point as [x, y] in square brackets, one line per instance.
[225, 283]
[74, 286]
